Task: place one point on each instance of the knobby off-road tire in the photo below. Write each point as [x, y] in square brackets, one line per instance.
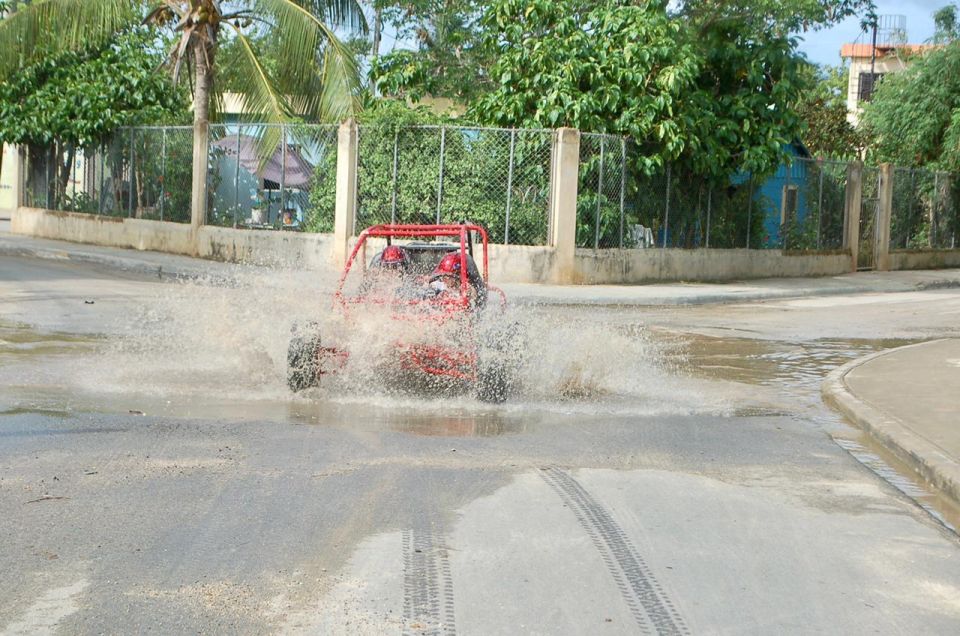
[303, 366]
[493, 383]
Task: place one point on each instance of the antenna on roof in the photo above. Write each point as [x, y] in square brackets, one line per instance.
[891, 30]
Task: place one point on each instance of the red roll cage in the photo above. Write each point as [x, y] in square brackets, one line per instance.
[405, 231]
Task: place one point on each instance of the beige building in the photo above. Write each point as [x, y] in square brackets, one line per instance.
[889, 58]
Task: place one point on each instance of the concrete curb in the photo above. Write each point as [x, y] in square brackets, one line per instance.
[938, 468]
[703, 299]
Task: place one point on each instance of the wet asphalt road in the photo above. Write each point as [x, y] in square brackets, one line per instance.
[318, 515]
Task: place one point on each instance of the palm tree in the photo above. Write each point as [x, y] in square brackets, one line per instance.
[315, 74]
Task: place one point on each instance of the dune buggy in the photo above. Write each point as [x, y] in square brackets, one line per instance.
[425, 275]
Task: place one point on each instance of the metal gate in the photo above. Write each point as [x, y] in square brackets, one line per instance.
[869, 212]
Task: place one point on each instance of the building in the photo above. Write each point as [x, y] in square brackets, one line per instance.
[868, 65]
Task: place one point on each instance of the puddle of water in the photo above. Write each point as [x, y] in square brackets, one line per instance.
[19, 340]
[795, 369]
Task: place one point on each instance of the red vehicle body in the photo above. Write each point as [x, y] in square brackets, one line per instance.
[465, 360]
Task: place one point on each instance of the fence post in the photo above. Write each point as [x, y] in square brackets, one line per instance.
[506, 221]
[443, 140]
[103, 170]
[283, 174]
[623, 185]
[393, 180]
[201, 160]
[852, 202]
[596, 225]
[236, 180]
[666, 211]
[820, 207]
[932, 235]
[564, 174]
[345, 210]
[16, 180]
[132, 175]
[709, 210]
[163, 169]
[882, 247]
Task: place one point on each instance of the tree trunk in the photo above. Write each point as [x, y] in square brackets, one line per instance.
[203, 62]
[375, 49]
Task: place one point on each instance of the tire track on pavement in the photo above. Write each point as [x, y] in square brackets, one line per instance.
[427, 582]
[649, 604]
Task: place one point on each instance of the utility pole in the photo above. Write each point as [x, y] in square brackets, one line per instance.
[873, 58]
[377, 29]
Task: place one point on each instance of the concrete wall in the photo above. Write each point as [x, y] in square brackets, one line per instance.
[266, 247]
[311, 251]
[640, 266]
[924, 259]
[138, 234]
[508, 263]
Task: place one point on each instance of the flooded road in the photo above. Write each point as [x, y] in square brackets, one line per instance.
[661, 471]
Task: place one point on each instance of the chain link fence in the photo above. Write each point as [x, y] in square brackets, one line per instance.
[263, 176]
[142, 173]
[800, 207]
[601, 191]
[284, 177]
[444, 174]
[924, 210]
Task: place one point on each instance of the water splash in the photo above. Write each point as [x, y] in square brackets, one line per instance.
[226, 339]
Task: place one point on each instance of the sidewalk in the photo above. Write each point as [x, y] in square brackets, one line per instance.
[171, 265]
[908, 399]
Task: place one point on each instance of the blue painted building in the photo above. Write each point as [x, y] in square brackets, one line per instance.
[782, 197]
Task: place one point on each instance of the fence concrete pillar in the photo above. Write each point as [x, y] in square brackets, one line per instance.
[198, 195]
[345, 210]
[564, 177]
[13, 165]
[852, 205]
[885, 212]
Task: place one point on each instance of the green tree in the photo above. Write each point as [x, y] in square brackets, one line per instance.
[946, 25]
[449, 59]
[615, 68]
[823, 109]
[781, 17]
[315, 76]
[73, 101]
[914, 116]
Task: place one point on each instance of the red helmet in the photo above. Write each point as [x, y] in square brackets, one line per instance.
[394, 256]
[449, 264]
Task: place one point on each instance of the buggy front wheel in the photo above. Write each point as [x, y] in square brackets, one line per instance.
[303, 364]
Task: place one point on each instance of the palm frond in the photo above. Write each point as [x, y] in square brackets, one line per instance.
[315, 69]
[259, 96]
[339, 13]
[61, 25]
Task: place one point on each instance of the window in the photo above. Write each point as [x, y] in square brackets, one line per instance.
[867, 84]
[788, 204]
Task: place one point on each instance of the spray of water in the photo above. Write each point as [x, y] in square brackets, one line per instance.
[227, 340]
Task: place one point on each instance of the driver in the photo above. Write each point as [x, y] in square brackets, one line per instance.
[445, 278]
